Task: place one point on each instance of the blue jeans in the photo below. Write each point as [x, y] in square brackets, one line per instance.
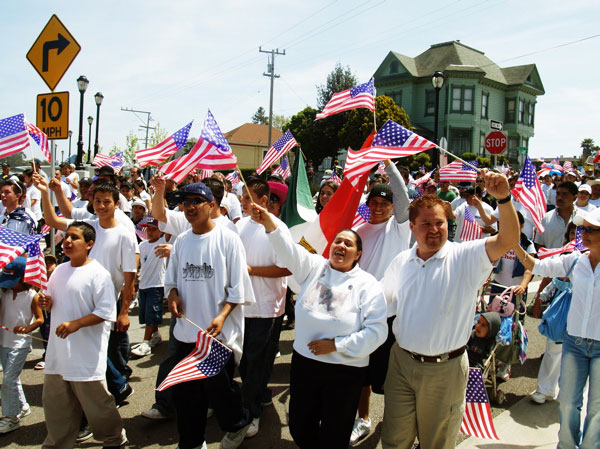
[580, 363]
[151, 305]
[13, 398]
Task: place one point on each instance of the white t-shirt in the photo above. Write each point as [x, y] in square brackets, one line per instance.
[269, 292]
[587, 208]
[209, 270]
[595, 202]
[145, 196]
[73, 177]
[236, 208]
[77, 292]
[82, 213]
[79, 203]
[457, 202]
[504, 276]
[459, 212]
[177, 223]
[66, 190]
[528, 226]
[15, 312]
[34, 194]
[152, 268]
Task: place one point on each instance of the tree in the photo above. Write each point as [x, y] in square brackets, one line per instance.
[341, 78]
[260, 117]
[589, 148]
[131, 145]
[280, 121]
[158, 135]
[359, 124]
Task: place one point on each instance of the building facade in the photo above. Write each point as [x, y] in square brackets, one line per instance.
[475, 91]
[249, 143]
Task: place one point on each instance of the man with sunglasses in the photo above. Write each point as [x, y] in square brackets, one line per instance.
[15, 217]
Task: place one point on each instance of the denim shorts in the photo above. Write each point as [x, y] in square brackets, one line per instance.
[151, 306]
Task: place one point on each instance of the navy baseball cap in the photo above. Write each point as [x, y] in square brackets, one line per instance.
[13, 272]
[197, 188]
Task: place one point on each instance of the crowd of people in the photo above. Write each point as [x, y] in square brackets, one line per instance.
[391, 310]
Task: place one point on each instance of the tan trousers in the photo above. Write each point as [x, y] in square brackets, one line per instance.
[64, 403]
[423, 399]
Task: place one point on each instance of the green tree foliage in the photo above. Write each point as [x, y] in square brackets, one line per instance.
[341, 78]
[131, 145]
[19, 160]
[158, 135]
[260, 117]
[360, 121]
[280, 121]
[589, 148]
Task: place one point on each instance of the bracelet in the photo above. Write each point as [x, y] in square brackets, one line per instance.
[504, 200]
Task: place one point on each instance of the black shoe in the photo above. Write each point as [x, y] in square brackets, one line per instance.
[123, 395]
[84, 434]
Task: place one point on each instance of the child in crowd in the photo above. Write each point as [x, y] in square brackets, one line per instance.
[50, 261]
[81, 296]
[483, 338]
[20, 312]
[152, 287]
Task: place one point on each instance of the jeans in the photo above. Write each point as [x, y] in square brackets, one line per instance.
[115, 381]
[118, 351]
[13, 398]
[580, 363]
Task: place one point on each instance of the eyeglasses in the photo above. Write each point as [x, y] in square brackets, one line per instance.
[588, 229]
[194, 201]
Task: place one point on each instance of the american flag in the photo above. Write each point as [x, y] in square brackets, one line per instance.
[284, 169]
[14, 136]
[41, 139]
[470, 229]
[529, 193]
[206, 173]
[208, 359]
[568, 166]
[459, 171]
[576, 244]
[361, 96]
[380, 169]
[233, 177]
[363, 213]
[115, 161]
[165, 149]
[211, 151]
[278, 149]
[335, 178]
[477, 420]
[45, 228]
[13, 244]
[392, 141]
[423, 179]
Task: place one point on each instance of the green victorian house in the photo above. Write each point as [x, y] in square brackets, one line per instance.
[475, 92]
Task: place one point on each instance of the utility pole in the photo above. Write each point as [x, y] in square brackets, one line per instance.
[271, 73]
[147, 126]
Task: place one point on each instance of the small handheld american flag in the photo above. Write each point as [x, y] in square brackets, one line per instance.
[477, 420]
[361, 96]
[459, 171]
[470, 229]
[277, 150]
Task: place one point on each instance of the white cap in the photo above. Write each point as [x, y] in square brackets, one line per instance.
[139, 202]
[585, 188]
[592, 217]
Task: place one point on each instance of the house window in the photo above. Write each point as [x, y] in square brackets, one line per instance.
[530, 118]
[521, 111]
[429, 102]
[460, 141]
[482, 144]
[485, 98]
[510, 110]
[468, 100]
[456, 97]
[396, 96]
[462, 100]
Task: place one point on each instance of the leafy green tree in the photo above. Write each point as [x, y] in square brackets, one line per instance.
[260, 117]
[280, 121]
[589, 148]
[158, 135]
[131, 145]
[341, 78]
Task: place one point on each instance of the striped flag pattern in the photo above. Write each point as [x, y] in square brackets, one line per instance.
[529, 192]
[233, 177]
[208, 359]
[361, 96]
[284, 169]
[459, 171]
[470, 229]
[568, 166]
[206, 173]
[423, 179]
[363, 213]
[335, 178]
[165, 149]
[477, 420]
[392, 141]
[14, 136]
[576, 244]
[101, 160]
[41, 139]
[13, 244]
[35, 267]
[281, 146]
[380, 169]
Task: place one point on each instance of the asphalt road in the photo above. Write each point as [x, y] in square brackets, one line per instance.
[274, 433]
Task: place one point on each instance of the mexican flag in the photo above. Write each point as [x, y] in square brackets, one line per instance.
[298, 207]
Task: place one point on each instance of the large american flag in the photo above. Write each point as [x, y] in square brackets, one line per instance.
[470, 229]
[361, 96]
[208, 359]
[477, 420]
[459, 171]
[41, 139]
[363, 213]
[211, 151]
[14, 136]
[529, 192]
[576, 244]
[281, 146]
[115, 161]
[13, 244]
[392, 141]
[284, 169]
[165, 149]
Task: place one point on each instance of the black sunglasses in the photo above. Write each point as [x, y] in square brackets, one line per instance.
[193, 201]
[588, 229]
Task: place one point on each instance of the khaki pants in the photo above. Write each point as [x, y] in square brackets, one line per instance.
[64, 403]
[424, 400]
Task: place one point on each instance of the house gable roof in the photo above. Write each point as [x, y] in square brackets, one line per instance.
[252, 134]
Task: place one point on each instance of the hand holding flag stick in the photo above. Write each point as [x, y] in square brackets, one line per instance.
[245, 184]
[11, 330]
[199, 328]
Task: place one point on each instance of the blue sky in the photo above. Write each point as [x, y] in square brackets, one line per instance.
[179, 58]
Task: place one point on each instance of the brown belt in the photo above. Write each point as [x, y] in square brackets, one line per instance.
[440, 358]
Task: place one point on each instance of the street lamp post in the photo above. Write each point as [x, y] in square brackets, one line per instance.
[82, 84]
[438, 81]
[70, 134]
[62, 155]
[90, 121]
[98, 97]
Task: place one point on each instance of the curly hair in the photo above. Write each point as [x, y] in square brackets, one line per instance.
[429, 202]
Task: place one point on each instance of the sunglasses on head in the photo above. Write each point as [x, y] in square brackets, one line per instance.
[194, 201]
[588, 229]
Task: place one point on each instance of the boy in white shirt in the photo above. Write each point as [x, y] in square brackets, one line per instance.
[82, 299]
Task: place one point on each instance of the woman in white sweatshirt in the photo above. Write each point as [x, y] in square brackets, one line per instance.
[340, 319]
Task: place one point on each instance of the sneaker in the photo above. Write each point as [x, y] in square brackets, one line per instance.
[267, 397]
[360, 430]
[25, 411]
[133, 304]
[155, 339]
[232, 440]
[153, 413]
[278, 354]
[253, 429]
[40, 365]
[84, 434]
[123, 395]
[142, 350]
[540, 398]
[210, 412]
[9, 424]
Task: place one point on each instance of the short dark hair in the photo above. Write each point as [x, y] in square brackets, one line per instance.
[106, 187]
[17, 187]
[28, 172]
[259, 186]
[570, 186]
[216, 187]
[89, 233]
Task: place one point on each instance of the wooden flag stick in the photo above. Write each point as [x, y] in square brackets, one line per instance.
[460, 159]
[195, 325]
[245, 185]
[28, 335]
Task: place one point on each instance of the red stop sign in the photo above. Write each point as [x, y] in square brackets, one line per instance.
[495, 142]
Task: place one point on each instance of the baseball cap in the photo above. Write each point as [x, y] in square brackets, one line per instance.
[149, 221]
[585, 188]
[382, 191]
[276, 176]
[106, 170]
[197, 188]
[465, 185]
[139, 202]
[279, 190]
[593, 182]
[13, 272]
[592, 217]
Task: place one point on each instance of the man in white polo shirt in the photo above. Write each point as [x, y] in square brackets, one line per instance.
[435, 285]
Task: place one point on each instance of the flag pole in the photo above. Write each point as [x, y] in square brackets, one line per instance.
[374, 108]
[195, 325]
[35, 338]
[239, 170]
[460, 159]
